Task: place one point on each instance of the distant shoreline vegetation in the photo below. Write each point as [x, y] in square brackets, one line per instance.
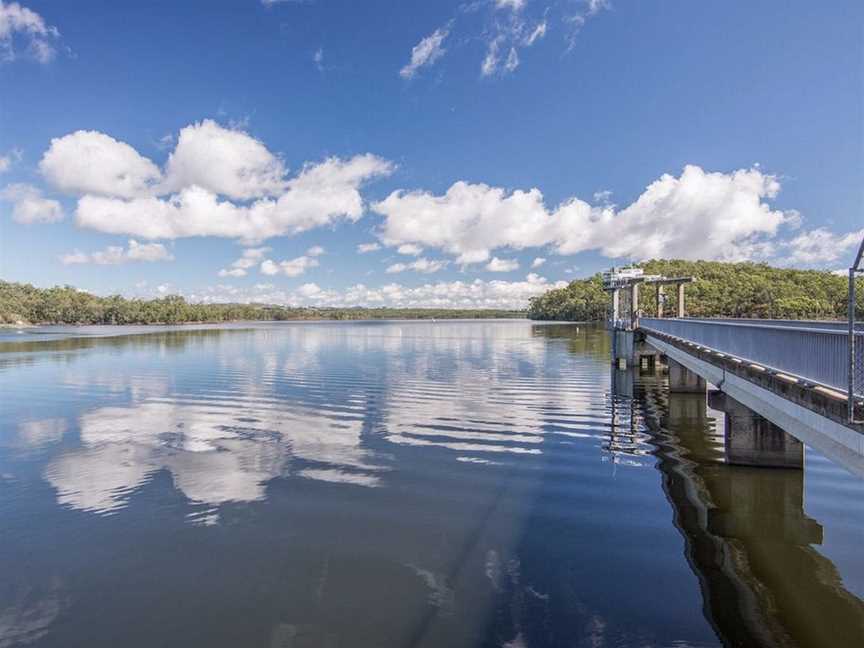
[26, 305]
[745, 290]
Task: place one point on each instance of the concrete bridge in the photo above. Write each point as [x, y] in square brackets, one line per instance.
[781, 383]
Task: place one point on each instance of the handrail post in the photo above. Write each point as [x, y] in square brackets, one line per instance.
[852, 368]
[853, 270]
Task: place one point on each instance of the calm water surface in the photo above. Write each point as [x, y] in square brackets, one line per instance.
[396, 484]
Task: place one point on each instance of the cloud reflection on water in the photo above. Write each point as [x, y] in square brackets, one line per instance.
[320, 403]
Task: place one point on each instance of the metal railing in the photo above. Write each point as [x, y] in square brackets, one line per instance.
[817, 354]
[855, 346]
[837, 325]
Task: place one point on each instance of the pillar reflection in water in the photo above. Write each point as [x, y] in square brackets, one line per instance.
[752, 440]
[747, 535]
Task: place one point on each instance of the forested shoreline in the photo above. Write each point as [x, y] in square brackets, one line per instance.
[24, 304]
[748, 290]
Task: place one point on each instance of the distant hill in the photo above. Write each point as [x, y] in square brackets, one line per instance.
[721, 290]
[26, 304]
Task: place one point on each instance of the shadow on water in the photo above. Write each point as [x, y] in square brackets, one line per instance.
[747, 536]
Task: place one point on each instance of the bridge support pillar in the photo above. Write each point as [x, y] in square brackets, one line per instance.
[629, 349]
[682, 380]
[752, 440]
[623, 348]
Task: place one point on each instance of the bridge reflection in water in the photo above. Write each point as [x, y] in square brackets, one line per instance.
[747, 536]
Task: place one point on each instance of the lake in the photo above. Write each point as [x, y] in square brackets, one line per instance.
[370, 484]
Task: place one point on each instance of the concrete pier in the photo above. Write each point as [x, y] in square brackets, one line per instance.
[752, 440]
[684, 381]
[623, 348]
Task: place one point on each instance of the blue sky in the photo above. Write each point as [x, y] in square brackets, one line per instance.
[146, 147]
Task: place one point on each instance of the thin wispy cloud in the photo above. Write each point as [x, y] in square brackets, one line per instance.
[423, 265]
[23, 32]
[409, 249]
[576, 20]
[116, 254]
[30, 206]
[165, 142]
[9, 159]
[270, 3]
[820, 246]
[365, 248]
[506, 28]
[425, 53]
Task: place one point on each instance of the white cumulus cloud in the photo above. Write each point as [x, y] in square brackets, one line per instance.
[90, 162]
[409, 249]
[502, 265]
[116, 254]
[249, 258]
[224, 161]
[29, 206]
[539, 261]
[290, 268]
[698, 215]
[456, 294]
[821, 247]
[217, 182]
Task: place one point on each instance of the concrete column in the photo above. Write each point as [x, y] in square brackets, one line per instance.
[752, 440]
[680, 300]
[623, 348]
[634, 302]
[682, 380]
[616, 313]
[659, 300]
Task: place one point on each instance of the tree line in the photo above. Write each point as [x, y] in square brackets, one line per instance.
[26, 304]
[748, 290]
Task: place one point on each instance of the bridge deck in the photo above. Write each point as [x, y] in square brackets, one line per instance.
[795, 376]
[814, 352]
